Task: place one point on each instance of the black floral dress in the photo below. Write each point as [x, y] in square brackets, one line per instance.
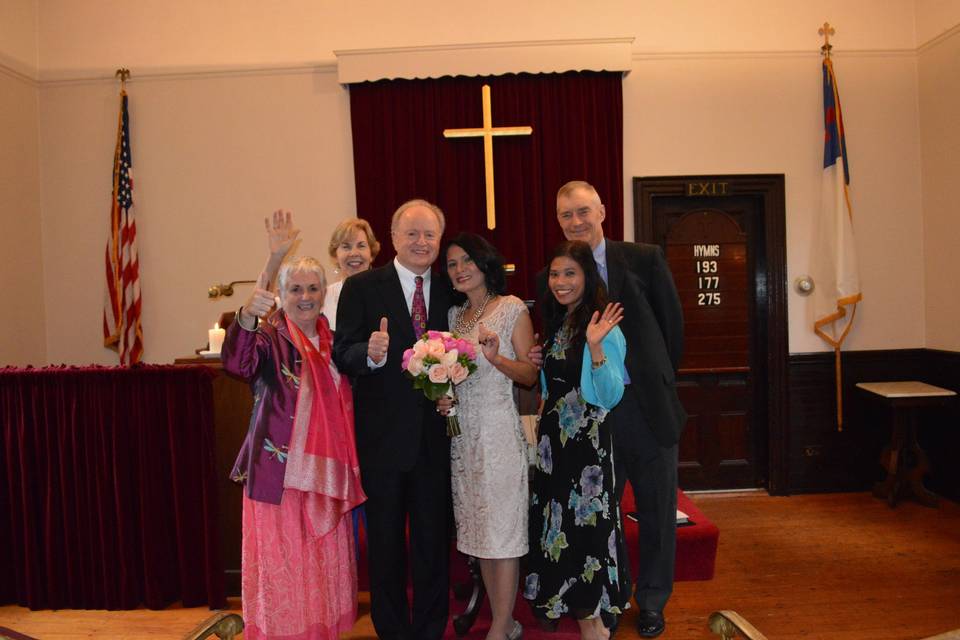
[576, 539]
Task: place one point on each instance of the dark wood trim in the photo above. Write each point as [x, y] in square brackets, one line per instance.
[771, 292]
[874, 356]
[696, 370]
[821, 458]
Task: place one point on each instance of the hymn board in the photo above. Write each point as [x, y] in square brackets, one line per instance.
[724, 240]
[707, 253]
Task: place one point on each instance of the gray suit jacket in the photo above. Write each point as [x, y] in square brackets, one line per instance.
[640, 280]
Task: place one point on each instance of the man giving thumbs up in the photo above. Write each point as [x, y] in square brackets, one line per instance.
[401, 440]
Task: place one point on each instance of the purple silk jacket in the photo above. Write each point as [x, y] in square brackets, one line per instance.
[270, 362]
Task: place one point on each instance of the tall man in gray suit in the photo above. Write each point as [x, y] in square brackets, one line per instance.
[649, 419]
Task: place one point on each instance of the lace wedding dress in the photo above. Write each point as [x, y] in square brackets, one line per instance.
[489, 459]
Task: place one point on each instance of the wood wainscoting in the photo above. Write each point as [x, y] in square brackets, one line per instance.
[821, 458]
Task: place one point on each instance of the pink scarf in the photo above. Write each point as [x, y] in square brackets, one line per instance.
[322, 460]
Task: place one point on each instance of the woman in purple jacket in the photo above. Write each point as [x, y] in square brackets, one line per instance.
[298, 463]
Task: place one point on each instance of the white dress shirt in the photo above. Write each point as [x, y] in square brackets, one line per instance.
[330, 303]
[408, 282]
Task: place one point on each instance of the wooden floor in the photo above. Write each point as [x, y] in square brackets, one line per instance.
[838, 566]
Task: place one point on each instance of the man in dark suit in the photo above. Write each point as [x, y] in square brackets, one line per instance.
[401, 439]
[649, 419]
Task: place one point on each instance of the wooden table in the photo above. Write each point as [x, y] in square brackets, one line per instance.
[904, 460]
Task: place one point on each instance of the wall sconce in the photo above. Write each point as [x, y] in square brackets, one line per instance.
[804, 285]
[218, 290]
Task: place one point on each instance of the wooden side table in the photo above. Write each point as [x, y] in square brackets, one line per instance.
[904, 460]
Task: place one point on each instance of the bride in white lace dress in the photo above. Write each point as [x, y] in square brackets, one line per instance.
[489, 459]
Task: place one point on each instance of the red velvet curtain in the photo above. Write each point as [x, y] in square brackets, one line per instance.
[107, 488]
[399, 153]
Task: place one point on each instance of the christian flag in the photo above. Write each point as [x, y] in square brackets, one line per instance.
[121, 303]
[837, 289]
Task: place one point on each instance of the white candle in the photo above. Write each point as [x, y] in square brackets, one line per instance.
[216, 338]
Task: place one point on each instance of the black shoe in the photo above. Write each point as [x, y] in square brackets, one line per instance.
[611, 621]
[650, 624]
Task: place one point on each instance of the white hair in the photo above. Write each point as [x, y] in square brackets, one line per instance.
[303, 264]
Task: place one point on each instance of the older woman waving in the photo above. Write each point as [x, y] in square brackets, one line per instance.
[298, 463]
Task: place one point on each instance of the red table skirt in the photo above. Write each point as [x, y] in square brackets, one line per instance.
[108, 488]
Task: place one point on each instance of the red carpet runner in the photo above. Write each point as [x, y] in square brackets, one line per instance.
[695, 559]
[696, 543]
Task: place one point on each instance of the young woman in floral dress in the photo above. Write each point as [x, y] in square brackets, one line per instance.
[576, 540]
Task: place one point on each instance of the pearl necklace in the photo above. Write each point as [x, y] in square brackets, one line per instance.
[463, 328]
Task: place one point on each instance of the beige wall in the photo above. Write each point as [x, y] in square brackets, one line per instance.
[23, 338]
[939, 66]
[934, 18]
[179, 34]
[18, 36]
[222, 135]
[763, 114]
[212, 156]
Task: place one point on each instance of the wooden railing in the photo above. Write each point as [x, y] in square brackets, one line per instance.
[224, 625]
[727, 624]
[730, 624]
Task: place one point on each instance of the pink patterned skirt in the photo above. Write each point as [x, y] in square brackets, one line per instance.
[295, 586]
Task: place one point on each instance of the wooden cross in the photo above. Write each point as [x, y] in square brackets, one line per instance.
[487, 132]
[826, 31]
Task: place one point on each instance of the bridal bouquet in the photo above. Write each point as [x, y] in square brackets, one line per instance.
[436, 362]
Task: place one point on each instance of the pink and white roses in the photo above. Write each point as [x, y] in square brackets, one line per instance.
[438, 361]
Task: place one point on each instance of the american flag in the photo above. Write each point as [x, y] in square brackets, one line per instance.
[121, 303]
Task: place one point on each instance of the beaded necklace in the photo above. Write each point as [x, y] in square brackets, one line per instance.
[463, 328]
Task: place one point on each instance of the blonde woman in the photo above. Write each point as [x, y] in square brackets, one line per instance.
[352, 249]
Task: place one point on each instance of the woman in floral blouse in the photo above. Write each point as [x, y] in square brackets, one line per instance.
[576, 538]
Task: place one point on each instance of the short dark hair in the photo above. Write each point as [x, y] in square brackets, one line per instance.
[594, 292]
[487, 259]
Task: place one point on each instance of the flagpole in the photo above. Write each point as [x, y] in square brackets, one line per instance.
[124, 74]
[122, 306]
[826, 31]
[842, 287]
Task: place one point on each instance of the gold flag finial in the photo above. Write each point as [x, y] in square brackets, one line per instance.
[123, 73]
[826, 31]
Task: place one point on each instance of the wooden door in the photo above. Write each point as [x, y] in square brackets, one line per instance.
[714, 232]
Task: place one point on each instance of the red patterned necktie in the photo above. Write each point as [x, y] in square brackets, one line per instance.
[418, 313]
